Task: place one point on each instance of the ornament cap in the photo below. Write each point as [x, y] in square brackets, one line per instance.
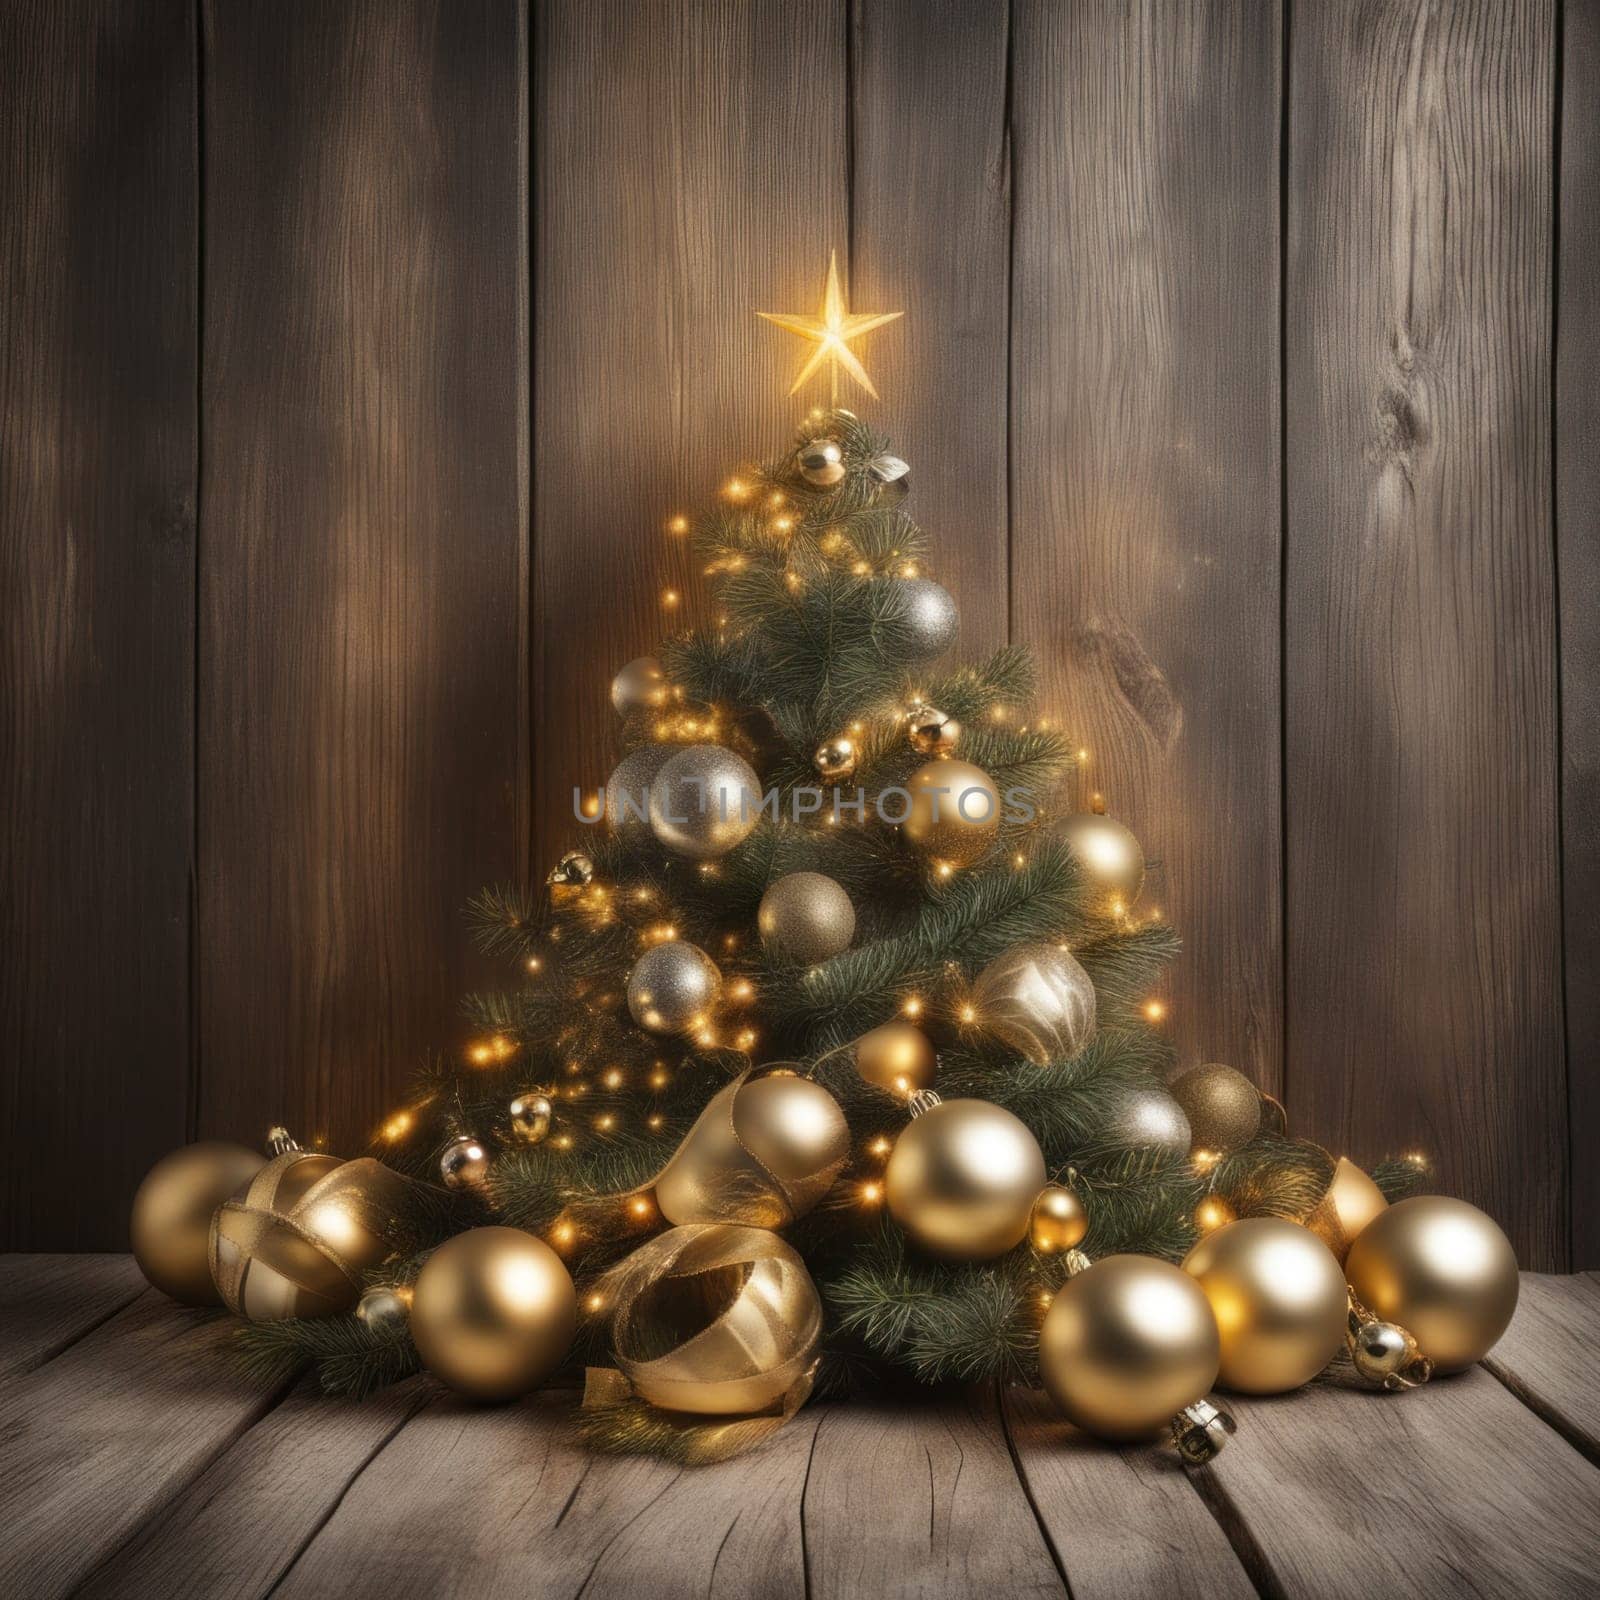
[280, 1141]
[923, 1100]
[1200, 1431]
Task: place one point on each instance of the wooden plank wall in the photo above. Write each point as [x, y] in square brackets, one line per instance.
[1245, 375]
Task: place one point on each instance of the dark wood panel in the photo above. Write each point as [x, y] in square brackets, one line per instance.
[97, 527]
[1423, 912]
[1145, 461]
[48, 1302]
[930, 214]
[1577, 505]
[363, 755]
[691, 171]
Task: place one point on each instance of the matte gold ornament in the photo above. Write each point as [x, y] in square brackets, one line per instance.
[529, 1115]
[574, 870]
[493, 1313]
[763, 1152]
[170, 1227]
[1440, 1269]
[898, 1057]
[932, 732]
[627, 794]
[1058, 1221]
[1278, 1296]
[931, 616]
[640, 686]
[672, 987]
[1147, 1118]
[296, 1240]
[704, 801]
[821, 463]
[464, 1164]
[1111, 858]
[384, 1311]
[1352, 1201]
[1039, 1000]
[835, 759]
[1127, 1345]
[955, 811]
[805, 917]
[962, 1179]
[1222, 1105]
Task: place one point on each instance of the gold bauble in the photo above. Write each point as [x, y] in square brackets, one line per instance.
[835, 759]
[627, 793]
[954, 813]
[1222, 1105]
[763, 1152]
[297, 1239]
[714, 1320]
[805, 917]
[1037, 999]
[897, 1057]
[821, 462]
[170, 1227]
[529, 1115]
[672, 987]
[1279, 1299]
[575, 870]
[493, 1312]
[704, 801]
[932, 620]
[464, 1163]
[1440, 1269]
[1145, 1117]
[1126, 1345]
[931, 732]
[640, 685]
[1058, 1221]
[1111, 858]
[962, 1179]
[384, 1311]
[1352, 1201]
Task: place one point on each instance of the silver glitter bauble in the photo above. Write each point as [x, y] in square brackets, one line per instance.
[628, 793]
[530, 1115]
[1039, 1000]
[672, 987]
[464, 1164]
[932, 617]
[384, 1311]
[806, 917]
[704, 801]
[640, 685]
[821, 462]
[1150, 1119]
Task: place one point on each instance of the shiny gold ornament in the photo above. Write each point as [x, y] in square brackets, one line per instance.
[898, 1057]
[640, 686]
[1222, 1105]
[574, 870]
[1279, 1299]
[955, 811]
[932, 732]
[715, 1321]
[493, 1312]
[1440, 1269]
[805, 917]
[704, 801]
[296, 1239]
[1111, 858]
[763, 1152]
[1127, 1345]
[832, 329]
[384, 1311]
[1352, 1201]
[464, 1163]
[627, 793]
[170, 1227]
[962, 1178]
[835, 759]
[931, 618]
[672, 987]
[1147, 1118]
[1058, 1221]
[821, 463]
[1039, 1000]
[530, 1115]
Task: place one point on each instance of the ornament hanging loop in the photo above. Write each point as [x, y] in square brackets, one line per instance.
[1200, 1431]
[1383, 1353]
[280, 1141]
[923, 1100]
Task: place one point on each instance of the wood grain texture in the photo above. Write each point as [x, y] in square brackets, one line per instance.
[930, 230]
[97, 528]
[1577, 509]
[1423, 914]
[920, 1498]
[363, 755]
[690, 171]
[111, 1430]
[49, 1301]
[1547, 1357]
[234, 1531]
[1449, 1489]
[1144, 449]
[1124, 1523]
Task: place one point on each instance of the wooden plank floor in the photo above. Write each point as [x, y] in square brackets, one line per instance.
[139, 1463]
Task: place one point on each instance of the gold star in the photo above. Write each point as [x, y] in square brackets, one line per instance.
[833, 329]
